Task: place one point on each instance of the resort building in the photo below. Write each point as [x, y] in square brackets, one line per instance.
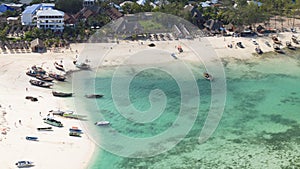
[43, 16]
[50, 19]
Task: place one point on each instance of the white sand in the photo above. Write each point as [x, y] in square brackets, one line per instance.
[57, 149]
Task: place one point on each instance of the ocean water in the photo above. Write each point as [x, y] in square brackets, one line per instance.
[260, 126]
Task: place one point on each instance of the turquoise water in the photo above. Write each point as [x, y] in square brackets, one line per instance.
[260, 127]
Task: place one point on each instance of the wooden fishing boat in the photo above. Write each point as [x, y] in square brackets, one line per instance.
[75, 134]
[38, 70]
[61, 94]
[258, 51]
[294, 39]
[82, 66]
[240, 45]
[44, 78]
[276, 40]
[75, 129]
[277, 49]
[74, 116]
[24, 164]
[53, 122]
[57, 76]
[94, 96]
[31, 73]
[30, 138]
[59, 66]
[44, 128]
[40, 83]
[289, 45]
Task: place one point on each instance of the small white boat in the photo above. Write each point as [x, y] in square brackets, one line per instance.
[24, 164]
[207, 76]
[102, 123]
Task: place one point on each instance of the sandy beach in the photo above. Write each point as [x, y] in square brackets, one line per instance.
[56, 149]
[21, 117]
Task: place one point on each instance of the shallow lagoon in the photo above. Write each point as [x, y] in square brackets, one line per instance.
[259, 127]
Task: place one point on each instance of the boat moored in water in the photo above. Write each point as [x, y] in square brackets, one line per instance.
[207, 76]
[102, 123]
[94, 95]
[57, 76]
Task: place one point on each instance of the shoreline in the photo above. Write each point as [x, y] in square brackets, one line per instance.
[61, 149]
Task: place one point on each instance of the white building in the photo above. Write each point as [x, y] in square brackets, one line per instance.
[50, 19]
[43, 16]
[28, 15]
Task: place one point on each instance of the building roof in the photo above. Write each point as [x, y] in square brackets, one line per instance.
[113, 13]
[32, 9]
[13, 5]
[50, 12]
[4, 8]
[37, 43]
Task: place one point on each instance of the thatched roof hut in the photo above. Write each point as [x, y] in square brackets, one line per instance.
[37, 45]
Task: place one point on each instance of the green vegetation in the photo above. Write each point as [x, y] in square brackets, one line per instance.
[237, 12]
[69, 6]
[150, 25]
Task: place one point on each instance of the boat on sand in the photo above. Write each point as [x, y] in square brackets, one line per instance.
[59, 66]
[24, 164]
[44, 78]
[30, 138]
[53, 122]
[57, 76]
[61, 94]
[40, 83]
